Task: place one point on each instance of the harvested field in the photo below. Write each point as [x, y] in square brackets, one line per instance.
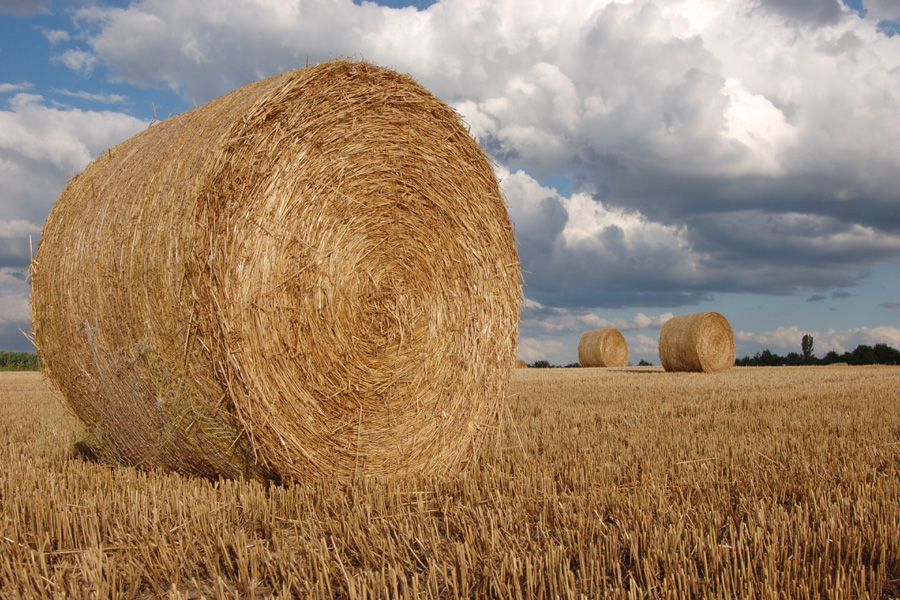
[615, 483]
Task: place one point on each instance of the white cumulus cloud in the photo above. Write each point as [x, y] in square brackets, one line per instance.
[40, 148]
[787, 338]
[533, 349]
[14, 300]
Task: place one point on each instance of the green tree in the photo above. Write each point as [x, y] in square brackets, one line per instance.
[19, 361]
[767, 358]
[831, 357]
[863, 355]
[806, 344]
[885, 355]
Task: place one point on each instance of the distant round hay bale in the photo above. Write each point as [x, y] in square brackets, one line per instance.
[603, 348]
[521, 364]
[313, 276]
[697, 342]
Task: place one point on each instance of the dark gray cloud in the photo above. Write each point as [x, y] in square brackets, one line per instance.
[882, 9]
[22, 8]
[13, 340]
[15, 237]
[817, 298]
[607, 256]
[805, 12]
[890, 305]
[15, 315]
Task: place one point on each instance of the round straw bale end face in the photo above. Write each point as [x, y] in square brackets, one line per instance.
[697, 342]
[603, 348]
[313, 276]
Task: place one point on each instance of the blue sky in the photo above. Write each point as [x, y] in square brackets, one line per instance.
[658, 157]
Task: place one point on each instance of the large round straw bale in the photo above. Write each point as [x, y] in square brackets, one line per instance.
[521, 364]
[697, 342]
[313, 276]
[603, 348]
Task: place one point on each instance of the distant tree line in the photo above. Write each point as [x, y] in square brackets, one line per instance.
[545, 364]
[879, 354]
[19, 361]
